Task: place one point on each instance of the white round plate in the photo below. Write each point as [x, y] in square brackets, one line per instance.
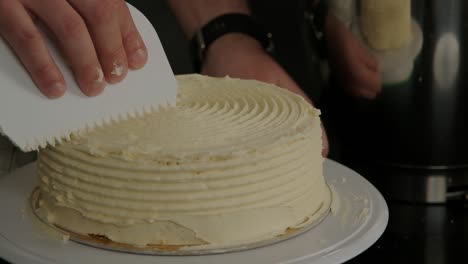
[358, 218]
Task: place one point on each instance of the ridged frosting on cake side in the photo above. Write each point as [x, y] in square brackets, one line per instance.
[234, 162]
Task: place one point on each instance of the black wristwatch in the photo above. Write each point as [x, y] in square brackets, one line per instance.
[224, 24]
[315, 16]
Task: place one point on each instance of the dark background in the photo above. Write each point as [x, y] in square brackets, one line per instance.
[416, 233]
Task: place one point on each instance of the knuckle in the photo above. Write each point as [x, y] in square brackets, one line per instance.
[132, 40]
[73, 26]
[27, 35]
[41, 70]
[104, 12]
[131, 36]
[115, 52]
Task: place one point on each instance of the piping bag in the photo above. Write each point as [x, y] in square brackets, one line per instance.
[32, 121]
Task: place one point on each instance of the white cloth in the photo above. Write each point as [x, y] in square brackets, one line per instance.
[345, 10]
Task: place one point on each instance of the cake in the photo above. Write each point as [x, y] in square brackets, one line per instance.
[234, 162]
[386, 24]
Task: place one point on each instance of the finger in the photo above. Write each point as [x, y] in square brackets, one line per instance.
[102, 20]
[325, 144]
[18, 29]
[366, 80]
[360, 91]
[135, 48]
[371, 62]
[70, 31]
[283, 80]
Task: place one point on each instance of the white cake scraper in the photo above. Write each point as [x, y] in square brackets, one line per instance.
[32, 121]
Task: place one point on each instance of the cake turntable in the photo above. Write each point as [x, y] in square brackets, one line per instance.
[358, 218]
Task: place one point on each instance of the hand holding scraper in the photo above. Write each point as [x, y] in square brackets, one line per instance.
[31, 120]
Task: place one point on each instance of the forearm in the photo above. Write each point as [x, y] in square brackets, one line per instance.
[332, 27]
[193, 14]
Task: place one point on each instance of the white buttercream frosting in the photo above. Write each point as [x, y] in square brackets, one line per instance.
[234, 162]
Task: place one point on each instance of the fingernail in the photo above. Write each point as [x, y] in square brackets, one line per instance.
[99, 76]
[56, 90]
[99, 82]
[138, 58]
[117, 69]
[96, 84]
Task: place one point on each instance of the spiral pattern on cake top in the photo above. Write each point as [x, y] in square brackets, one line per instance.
[239, 156]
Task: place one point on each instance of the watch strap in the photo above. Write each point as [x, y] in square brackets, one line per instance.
[315, 16]
[225, 24]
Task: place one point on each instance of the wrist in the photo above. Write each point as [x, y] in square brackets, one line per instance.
[230, 49]
[192, 15]
[334, 32]
[233, 30]
[233, 42]
[329, 30]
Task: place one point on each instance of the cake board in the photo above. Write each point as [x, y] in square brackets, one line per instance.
[102, 242]
[358, 218]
